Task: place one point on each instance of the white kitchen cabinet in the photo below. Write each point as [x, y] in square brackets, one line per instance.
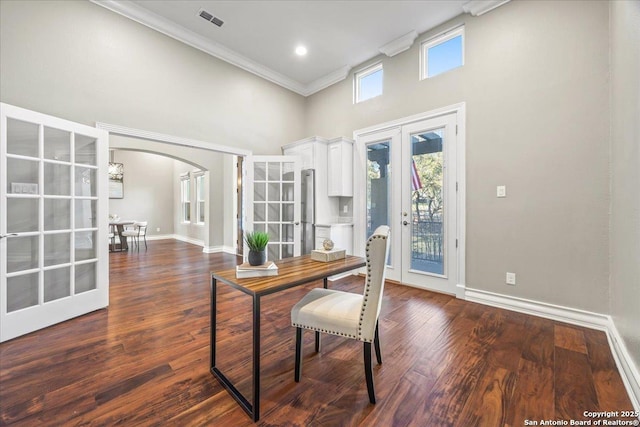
[340, 234]
[305, 151]
[340, 164]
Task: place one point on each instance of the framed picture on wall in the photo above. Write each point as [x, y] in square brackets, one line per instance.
[116, 181]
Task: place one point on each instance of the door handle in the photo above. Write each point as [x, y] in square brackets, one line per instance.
[405, 223]
[2, 236]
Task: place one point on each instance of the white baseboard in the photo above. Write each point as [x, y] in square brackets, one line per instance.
[218, 249]
[206, 249]
[229, 250]
[188, 240]
[342, 275]
[549, 311]
[160, 237]
[626, 367]
[628, 371]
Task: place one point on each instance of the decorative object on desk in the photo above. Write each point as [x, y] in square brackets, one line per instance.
[246, 270]
[326, 256]
[257, 243]
[114, 218]
[327, 244]
[116, 181]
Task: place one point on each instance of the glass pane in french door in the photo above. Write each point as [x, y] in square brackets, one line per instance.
[378, 186]
[273, 206]
[49, 229]
[427, 202]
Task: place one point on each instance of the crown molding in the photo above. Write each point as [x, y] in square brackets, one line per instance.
[169, 28]
[400, 44]
[480, 7]
[327, 80]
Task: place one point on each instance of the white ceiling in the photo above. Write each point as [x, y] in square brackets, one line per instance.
[260, 36]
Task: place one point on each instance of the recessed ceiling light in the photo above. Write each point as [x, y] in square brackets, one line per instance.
[301, 51]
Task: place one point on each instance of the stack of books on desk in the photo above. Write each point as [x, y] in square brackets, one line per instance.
[246, 270]
[327, 256]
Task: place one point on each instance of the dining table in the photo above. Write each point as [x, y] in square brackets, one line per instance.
[117, 227]
[292, 272]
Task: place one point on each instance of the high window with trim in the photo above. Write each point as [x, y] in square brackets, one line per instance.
[442, 53]
[185, 198]
[367, 83]
[199, 197]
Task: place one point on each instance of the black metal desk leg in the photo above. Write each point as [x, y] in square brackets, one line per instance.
[325, 282]
[212, 324]
[251, 409]
[256, 358]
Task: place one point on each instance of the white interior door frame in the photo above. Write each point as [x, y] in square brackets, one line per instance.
[360, 168]
[162, 138]
[171, 139]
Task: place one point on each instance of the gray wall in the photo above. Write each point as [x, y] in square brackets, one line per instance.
[146, 179]
[213, 235]
[535, 82]
[625, 172]
[82, 62]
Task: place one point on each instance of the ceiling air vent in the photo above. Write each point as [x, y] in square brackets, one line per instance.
[209, 17]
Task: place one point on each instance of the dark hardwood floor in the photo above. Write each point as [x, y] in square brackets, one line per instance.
[447, 362]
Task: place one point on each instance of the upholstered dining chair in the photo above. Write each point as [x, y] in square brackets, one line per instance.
[112, 241]
[139, 230]
[347, 314]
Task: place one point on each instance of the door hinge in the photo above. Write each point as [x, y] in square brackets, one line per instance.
[456, 243]
[456, 186]
[456, 129]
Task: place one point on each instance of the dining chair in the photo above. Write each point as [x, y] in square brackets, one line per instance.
[138, 230]
[112, 241]
[347, 314]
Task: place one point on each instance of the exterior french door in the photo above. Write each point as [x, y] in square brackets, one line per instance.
[428, 204]
[53, 227]
[273, 201]
[411, 174]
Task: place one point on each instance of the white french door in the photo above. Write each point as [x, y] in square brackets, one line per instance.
[411, 174]
[428, 204]
[53, 228]
[273, 202]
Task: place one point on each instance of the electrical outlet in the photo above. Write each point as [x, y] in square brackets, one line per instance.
[501, 191]
[158, 229]
[511, 278]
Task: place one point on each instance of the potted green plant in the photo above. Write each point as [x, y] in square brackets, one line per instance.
[257, 243]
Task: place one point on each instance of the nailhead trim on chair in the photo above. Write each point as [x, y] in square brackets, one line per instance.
[364, 305]
[368, 286]
[326, 331]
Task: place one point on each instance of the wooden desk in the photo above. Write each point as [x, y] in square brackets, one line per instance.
[291, 272]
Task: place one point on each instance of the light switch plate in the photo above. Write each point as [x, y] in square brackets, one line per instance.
[501, 191]
[511, 278]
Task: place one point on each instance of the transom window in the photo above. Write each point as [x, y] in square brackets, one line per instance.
[442, 53]
[367, 83]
